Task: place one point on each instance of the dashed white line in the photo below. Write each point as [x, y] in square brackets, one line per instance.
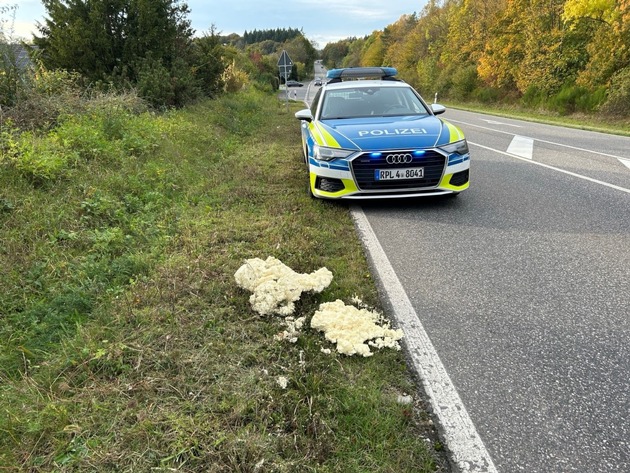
[494, 122]
[522, 146]
[467, 450]
[537, 139]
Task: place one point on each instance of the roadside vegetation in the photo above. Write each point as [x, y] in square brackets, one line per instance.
[126, 343]
[552, 58]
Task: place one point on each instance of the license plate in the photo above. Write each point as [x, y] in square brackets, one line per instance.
[392, 174]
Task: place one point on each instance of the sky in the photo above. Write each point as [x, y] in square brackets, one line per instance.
[322, 21]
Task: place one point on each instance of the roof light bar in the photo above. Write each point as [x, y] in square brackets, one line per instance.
[359, 72]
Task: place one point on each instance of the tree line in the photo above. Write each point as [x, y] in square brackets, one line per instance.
[147, 46]
[278, 35]
[564, 55]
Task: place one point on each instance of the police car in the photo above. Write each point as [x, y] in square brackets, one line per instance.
[368, 134]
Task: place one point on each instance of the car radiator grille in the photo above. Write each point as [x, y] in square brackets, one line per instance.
[364, 166]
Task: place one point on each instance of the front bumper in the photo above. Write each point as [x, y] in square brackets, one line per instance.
[356, 177]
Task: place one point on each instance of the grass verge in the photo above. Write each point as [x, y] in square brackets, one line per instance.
[612, 125]
[125, 344]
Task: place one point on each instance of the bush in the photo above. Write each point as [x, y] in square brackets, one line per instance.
[591, 100]
[106, 132]
[154, 83]
[533, 97]
[465, 81]
[13, 79]
[50, 94]
[234, 78]
[564, 102]
[14, 76]
[618, 101]
[572, 99]
[486, 95]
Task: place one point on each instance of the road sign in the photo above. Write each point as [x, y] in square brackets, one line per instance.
[285, 65]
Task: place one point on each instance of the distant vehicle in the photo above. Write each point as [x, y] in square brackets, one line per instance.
[375, 137]
[294, 83]
[318, 81]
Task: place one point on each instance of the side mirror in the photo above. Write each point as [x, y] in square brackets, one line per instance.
[437, 108]
[304, 115]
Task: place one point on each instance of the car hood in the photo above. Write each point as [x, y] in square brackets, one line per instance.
[389, 132]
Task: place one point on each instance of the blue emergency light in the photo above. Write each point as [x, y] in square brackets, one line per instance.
[361, 72]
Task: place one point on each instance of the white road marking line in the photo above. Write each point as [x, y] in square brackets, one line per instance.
[522, 146]
[625, 162]
[493, 122]
[542, 141]
[466, 447]
[579, 176]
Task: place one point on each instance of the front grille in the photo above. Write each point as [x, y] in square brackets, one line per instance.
[364, 165]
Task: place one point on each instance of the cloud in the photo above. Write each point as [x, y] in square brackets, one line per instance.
[322, 21]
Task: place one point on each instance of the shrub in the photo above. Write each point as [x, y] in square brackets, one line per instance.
[50, 94]
[154, 83]
[618, 101]
[465, 81]
[107, 132]
[572, 99]
[486, 95]
[8, 137]
[591, 100]
[533, 97]
[13, 79]
[233, 78]
[564, 102]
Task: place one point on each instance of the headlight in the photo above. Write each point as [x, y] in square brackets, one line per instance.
[459, 147]
[323, 153]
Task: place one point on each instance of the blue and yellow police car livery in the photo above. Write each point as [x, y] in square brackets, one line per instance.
[370, 135]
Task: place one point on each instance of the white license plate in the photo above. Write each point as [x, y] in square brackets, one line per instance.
[392, 174]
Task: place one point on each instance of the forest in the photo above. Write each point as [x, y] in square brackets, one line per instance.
[566, 56]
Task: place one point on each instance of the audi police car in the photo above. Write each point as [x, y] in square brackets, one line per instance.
[368, 134]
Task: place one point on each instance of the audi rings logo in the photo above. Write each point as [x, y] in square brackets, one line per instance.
[399, 158]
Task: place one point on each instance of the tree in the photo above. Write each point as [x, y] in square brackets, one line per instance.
[609, 20]
[374, 50]
[400, 41]
[334, 53]
[301, 50]
[121, 42]
[209, 62]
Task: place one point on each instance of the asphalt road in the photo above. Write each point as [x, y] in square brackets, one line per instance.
[522, 284]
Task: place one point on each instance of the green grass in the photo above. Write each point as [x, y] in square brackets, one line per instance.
[125, 344]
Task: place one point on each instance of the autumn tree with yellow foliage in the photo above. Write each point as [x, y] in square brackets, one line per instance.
[564, 55]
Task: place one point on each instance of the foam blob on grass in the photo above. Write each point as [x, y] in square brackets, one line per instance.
[275, 287]
[354, 330]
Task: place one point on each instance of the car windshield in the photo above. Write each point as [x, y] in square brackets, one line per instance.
[371, 101]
